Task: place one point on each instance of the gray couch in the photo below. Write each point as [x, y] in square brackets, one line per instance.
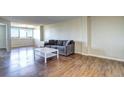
[65, 47]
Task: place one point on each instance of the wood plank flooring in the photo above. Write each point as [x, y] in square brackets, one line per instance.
[20, 63]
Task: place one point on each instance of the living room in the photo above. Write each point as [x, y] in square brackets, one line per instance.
[93, 37]
[79, 42]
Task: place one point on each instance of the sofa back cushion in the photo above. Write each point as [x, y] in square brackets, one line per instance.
[52, 42]
[64, 42]
[60, 42]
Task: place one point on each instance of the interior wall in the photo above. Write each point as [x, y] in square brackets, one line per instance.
[68, 30]
[107, 36]
[99, 36]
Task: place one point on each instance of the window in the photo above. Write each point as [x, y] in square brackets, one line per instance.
[20, 32]
[29, 33]
[14, 32]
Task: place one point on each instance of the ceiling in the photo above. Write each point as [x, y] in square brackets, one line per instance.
[38, 20]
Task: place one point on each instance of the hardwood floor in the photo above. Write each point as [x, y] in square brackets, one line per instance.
[20, 63]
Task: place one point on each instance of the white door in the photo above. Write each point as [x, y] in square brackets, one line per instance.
[2, 36]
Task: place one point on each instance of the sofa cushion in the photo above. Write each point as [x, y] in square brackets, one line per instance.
[51, 42]
[49, 46]
[60, 48]
[55, 42]
[64, 42]
[53, 46]
[60, 42]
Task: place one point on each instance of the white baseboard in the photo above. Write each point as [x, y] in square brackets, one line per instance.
[105, 57]
[78, 53]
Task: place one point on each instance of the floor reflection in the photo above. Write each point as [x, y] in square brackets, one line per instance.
[22, 56]
[16, 62]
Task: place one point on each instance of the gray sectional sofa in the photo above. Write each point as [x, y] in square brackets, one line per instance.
[65, 47]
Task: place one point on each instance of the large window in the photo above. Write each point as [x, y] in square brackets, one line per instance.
[23, 33]
[30, 33]
[19, 32]
[14, 32]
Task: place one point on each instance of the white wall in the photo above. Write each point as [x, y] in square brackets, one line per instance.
[68, 30]
[107, 36]
[97, 36]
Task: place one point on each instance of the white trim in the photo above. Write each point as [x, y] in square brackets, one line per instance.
[78, 53]
[105, 57]
[85, 54]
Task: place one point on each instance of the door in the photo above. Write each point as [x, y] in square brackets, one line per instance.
[2, 36]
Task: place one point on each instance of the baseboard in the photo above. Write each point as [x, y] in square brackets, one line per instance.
[85, 54]
[78, 53]
[110, 58]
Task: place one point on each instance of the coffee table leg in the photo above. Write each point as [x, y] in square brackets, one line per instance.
[34, 53]
[57, 54]
[45, 58]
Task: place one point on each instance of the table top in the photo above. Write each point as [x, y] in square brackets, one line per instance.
[46, 50]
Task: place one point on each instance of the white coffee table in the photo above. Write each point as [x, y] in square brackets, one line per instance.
[46, 52]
